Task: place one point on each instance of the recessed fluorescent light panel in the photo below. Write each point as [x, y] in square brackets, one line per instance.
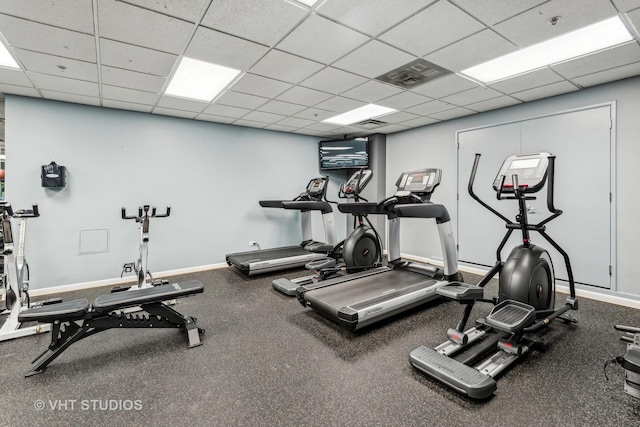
[583, 41]
[359, 114]
[199, 80]
[6, 60]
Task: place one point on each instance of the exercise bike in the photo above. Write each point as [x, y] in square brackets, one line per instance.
[526, 294]
[140, 266]
[360, 250]
[15, 279]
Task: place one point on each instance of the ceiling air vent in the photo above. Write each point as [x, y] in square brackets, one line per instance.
[413, 74]
[371, 123]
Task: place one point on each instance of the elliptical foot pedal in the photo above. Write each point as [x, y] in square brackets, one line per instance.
[460, 291]
[511, 316]
[458, 376]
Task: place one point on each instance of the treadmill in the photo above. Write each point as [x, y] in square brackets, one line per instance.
[364, 298]
[286, 257]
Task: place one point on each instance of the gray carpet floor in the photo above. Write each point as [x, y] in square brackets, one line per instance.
[268, 361]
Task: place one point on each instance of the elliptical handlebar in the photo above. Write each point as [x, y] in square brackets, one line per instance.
[475, 197]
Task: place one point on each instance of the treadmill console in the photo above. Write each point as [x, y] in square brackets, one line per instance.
[420, 182]
[530, 169]
[351, 188]
[316, 188]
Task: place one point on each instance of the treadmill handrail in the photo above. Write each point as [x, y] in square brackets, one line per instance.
[427, 210]
[271, 203]
[324, 207]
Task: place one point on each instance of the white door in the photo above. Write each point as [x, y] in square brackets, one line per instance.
[582, 143]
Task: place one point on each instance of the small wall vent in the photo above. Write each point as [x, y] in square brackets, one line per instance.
[413, 74]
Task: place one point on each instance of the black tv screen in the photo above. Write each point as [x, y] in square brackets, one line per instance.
[344, 154]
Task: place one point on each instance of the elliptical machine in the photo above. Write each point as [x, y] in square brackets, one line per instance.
[525, 303]
[15, 279]
[140, 266]
[360, 250]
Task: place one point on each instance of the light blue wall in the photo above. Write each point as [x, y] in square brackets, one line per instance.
[434, 146]
[211, 174]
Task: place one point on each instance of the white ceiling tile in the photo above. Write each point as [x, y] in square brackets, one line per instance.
[372, 17]
[132, 79]
[237, 99]
[223, 49]
[226, 111]
[61, 84]
[70, 97]
[530, 80]
[315, 114]
[432, 29]
[260, 116]
[56, 65]
[493, 11]
[619, 73]
[346, 130]
[403, 100]
[311, 132]
[250, 123]
[339, 104]
[295, 122]
[260, 86]
[398, 117]
[174, 113]
[336, 40]
[74, 15]
[129, 106]
[533, 27]
[493, 104]
[323, 127]
[176, 103]
[13, 77]
[373, 59]
[545, 91]
[129, 57]
[453, 113]
[473, 50]
[472, 95]
[214, 118]
[600, 61]
[430, 107]
[303, 96]
[280, 107]
[47, 39]
[445, 86]
[129, 95]
[280, 128]
[634, 17]
[333, 80]
[626, 5]
[372, 91]
[284, 66]
[422, 121]
[19, 90]
[188, 10]
[131, 24]
[390, 129]
[256, 20]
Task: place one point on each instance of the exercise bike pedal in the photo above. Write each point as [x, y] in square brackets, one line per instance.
[128, 268]
[159, 282]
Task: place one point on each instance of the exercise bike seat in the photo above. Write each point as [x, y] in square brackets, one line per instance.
[68, 310]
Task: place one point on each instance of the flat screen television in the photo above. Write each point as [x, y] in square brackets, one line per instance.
[344, 154]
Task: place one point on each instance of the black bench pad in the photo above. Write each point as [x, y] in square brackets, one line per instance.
[118, 300]
[67, 310]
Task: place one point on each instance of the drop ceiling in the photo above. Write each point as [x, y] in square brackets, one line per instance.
[301, 64]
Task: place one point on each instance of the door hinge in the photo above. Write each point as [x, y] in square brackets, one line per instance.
[610, 270]
[610, 197]
[610, 124]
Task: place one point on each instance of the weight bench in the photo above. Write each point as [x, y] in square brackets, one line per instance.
[74, 320]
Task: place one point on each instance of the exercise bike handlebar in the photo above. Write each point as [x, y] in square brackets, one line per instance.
[144, 211]
[24, 213]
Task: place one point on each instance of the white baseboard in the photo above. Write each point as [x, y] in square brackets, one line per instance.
[607, 296]
[120, 281]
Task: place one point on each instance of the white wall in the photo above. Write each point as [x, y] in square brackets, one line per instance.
[211, 174]
[434, 146]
